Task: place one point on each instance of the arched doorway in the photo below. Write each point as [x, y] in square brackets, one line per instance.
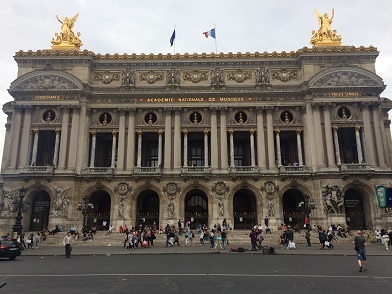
[245, 211]
[100, 214]
[39, 218]
[196, 208]
[355, 210]
[147, 209]
[293, 213]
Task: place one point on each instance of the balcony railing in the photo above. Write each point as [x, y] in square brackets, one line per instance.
[33, 169]
[356, 168]
[196, 170]
[244, 169]
[99, 170]
[147, 170]
[294, 169]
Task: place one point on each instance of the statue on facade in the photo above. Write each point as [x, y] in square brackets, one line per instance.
[67, 39]
[325, 36]
[128, 78]
[121, 209]
[217, 77]
[262, 76]
[173, 77]
[170, 209]
[221, 206]
[6, 203]
[271, 208]
[333, 199]
[61, 202]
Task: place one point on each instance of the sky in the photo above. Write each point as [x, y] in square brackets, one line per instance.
[130, 26]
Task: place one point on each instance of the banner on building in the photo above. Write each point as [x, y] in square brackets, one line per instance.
[381, 193]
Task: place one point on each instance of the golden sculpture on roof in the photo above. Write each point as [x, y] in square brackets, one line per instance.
[67, 39]
[325, 36]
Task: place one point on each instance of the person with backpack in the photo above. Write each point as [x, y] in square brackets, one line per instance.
[360, 247]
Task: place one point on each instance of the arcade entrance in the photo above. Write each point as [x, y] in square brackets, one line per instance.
[293, 214]
[196, 208]
[245, 212]
[39, 219]
[147, 209]
[355, 214]
[100, 215]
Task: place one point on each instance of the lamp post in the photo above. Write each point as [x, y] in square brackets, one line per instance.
[308, 205]
[19, 207]
[85, 208]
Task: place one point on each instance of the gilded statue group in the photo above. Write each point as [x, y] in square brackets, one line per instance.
[325, 35]
[67, 35]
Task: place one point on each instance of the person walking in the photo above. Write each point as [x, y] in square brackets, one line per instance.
[37, 240]
[360, 247]
[67, 245]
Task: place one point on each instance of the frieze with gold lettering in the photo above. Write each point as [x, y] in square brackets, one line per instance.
[197, 100]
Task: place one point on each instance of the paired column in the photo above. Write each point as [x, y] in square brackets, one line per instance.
[16, 126]
[369, 140]
[214, 140]
[131, 141]
[177, 139]
[377, 133]
[64, 137]
[82, 137]
[168, 150]
[139, 149]
[24, 151]
[336, 141]
[318, 135]
[299, 148]
[252, 148]
[231, 132]
[92, 153]
[205, 148]
[358, 141]
[270, 139]
[56, 147]
[121, 140]
[185, 148]
[328, 135]
[160, 148]
[278, 153]
[223, 141]
[35, 148]
[114, 147]
[73, 145]
[260, 139]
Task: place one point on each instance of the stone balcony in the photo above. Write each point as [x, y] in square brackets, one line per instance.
[244, 170]
[104, 171]
[147, 170]
[356, 168]
[295, 170]
[33, 169]
[196, 170]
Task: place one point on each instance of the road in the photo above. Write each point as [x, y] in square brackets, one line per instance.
[195, 273]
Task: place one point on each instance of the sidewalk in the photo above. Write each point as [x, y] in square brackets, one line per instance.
[79, 248]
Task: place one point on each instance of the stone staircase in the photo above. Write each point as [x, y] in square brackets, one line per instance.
[235, 237]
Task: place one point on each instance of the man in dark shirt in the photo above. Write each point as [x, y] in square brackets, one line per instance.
[360, 243]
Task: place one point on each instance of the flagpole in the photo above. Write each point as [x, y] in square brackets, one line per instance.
[174, 41]
[216, 47]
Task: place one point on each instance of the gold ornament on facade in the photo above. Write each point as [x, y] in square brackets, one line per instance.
[151, 77]
[239, 76]
[107, 77]
[284, 75]
[67, 39]
[195, 76]
[325, 36]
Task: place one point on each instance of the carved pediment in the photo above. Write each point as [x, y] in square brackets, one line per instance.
[47, 80]
[345, 77]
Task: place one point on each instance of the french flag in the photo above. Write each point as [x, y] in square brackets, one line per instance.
[210, 33]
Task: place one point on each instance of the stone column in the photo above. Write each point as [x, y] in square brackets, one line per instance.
[160, 148]
[56, 147]
[328, 135]
[185, 149]
[358, 141]
[131, 141]
[82, 137]
[168, 145]
[299, 148]
[8, 148]
[177, 139]
[16, 126]
[35, 148]
[377, 133]
[252, 148]
[278, 153]
[64, 137]
[121, 140]
[139, 149]
[73, 145]
[214, 140]
[260, 139]
[24, 151]
[114, 147]
[364, 152]
[270, 139]
[336, 141]
[205, 148]
[231, 132]
[369, 140]
[93, 144]
[223, 141]
[318, 135]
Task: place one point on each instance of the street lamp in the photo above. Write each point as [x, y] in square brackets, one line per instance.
[20, 207]
[85, 208]
[308, 205]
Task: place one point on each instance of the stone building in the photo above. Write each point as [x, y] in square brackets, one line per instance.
[199, 137]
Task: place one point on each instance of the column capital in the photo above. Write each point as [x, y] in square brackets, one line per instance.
[76, 108]
[259, 109]
[131, 110]
[231, 131]
[18, 108]
[335, 127]
[205, 132]
[168, 111]
[93, 133]
[326, 105]
[316, 106]
[185, 132]
[222, 110]
[269, 109]
[357, 128]
[364, 106]
[277, 131]
[213, 110]
[122, 111]
[139, 133]
[251, 131]
[114, 133]
[387, 122]
[160, 132]
[177, 110]
[27, 108]
[57, 131]
[374, 105]
[65, 108]
[298, 131]
[36, 131]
